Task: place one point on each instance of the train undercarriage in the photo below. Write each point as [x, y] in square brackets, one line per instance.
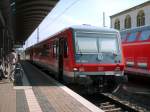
[102, 83]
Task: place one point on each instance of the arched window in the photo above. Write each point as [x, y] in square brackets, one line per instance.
[117, 24]
[141, 18]
[127, 21]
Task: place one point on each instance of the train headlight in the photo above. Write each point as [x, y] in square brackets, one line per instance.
[75, 69]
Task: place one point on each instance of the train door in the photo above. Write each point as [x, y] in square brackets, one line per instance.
[60, 59]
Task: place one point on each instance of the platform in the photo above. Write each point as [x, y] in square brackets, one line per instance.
[40, 93]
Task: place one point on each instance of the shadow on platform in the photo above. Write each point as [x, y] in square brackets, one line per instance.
[34, 77]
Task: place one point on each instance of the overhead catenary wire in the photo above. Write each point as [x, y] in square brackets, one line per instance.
[61, 14]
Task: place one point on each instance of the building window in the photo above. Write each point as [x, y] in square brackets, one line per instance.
[117, 24]
[141, 18]
[127, 22]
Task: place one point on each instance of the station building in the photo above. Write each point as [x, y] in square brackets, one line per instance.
[133, 17]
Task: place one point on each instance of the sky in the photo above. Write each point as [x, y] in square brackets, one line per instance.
[78, 12]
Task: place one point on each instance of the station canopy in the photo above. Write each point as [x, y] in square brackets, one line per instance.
[23, 16]
[29, 14]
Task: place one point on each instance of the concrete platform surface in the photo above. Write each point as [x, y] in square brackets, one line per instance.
[40, 93]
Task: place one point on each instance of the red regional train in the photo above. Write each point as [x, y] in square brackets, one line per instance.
[83, 54]
[136, 47]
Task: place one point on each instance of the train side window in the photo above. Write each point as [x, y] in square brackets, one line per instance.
[65, 49]
[131, 37]
[38, 51]
[51, 49]
[145, 35]
[45, 50]
[57, 49]
[54, 49]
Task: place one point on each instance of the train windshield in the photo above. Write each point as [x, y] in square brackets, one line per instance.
[86, 45]
[96, 43]
[108, 43]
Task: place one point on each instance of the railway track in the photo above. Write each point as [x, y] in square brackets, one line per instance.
[111, 103]
[114, 104]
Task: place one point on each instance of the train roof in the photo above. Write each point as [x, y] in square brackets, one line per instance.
[92, 28]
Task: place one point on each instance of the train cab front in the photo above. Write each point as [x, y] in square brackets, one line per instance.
[98, 60]
[103, 77]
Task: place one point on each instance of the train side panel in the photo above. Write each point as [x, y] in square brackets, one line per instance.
[46, 53]
[137, 57]
[137, 52]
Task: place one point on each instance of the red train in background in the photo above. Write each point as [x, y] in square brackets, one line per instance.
[136, 47]
[83, 54]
